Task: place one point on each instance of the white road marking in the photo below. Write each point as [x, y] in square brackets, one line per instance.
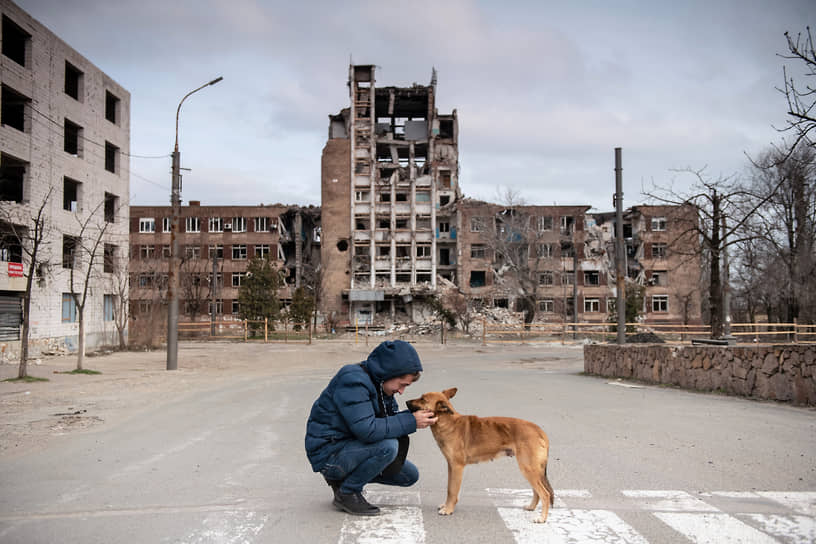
[713, 528]
[803, 502]
[400, 521]
[792, 529]
[236, 527]
[521, 497]
[564, 526]
[668, 501]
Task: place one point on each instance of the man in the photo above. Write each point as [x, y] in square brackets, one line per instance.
[356, 435]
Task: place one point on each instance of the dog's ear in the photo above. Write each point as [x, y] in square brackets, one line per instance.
[449, 392]
[442, 407]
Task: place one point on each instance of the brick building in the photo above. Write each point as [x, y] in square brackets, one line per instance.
[64, 143]
[389, 174]
[227, 236]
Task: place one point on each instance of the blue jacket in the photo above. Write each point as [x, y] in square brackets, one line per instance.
[349, 409]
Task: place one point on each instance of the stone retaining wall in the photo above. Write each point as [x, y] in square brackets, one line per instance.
[785, 372]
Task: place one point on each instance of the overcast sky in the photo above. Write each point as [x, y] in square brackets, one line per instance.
[544, 90]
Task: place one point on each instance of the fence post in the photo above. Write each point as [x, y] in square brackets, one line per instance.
[245, 330]
[285, 330]
[266, 330]
[356, 330]
[309, 325]
[484, 331]
[795, 327]
[563, 332]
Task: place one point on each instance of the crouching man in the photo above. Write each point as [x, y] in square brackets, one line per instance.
[356, 434]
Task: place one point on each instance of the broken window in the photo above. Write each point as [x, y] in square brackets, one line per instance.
[567, 224]
[592, 277]
[501, 303]
[165, 252]
[660, 303]
[423, 278]
[261, 224]
[659, 277]
[73, 138]
[592, 305]
[477, 251]
[444, 199]
[146, 251]
[167, 224]
[423, 223]
[627, 230]
[423, 252]
[10, 249]
[70, 194]
[109, 258]
[402, 197]
[383, 252]
[477, 224]
[361, 224]
[111, 205]
[567, 249]
[546, 305]
[147, 225]
[444, 226]
[111, 107]
[361, 196]
[192, 224]
[385, 196]
[16, 41]
[445, 128]
[477, 278]
[362, 167]
[262, 251]
[404, 252]
[383, 223]
[444, 256]
[14, 109]
[239, 224]
[445, 179]
[567, 278]
[111, 157]
[423, 196]
[215, 252]
[545, 223]
[192, 252]
[402, 223]
[545, 251]
[546, 278]
[238, 278]
[239, 252]
[216, 224]
[403, 278]
[658, 223]
[73, 81]
[658, 251]
[70, 246]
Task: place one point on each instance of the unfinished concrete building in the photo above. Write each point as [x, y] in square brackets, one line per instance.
[389, 181]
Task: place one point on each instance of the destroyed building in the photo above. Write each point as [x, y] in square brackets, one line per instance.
[389, 180]
[397, 229]
[224, 239]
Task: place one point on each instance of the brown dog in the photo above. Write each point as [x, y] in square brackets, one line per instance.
[469, 439]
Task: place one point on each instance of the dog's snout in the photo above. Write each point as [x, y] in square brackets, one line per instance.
[412, 405]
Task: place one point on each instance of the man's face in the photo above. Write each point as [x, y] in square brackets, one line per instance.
[397, 385]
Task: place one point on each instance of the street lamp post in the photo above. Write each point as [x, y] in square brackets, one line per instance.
[172, 276]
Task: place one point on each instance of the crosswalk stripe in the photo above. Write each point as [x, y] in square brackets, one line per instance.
[400, 521]
[564, 526]
[713, 528]
[668, 501]
[803, 502]
[792, 529]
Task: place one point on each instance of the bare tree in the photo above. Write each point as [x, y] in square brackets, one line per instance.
[786, 225]
[119, 284]
[717, 202]
[514, 239]
[27, 228]
[801, 99]
[83, 257]
[196, 284]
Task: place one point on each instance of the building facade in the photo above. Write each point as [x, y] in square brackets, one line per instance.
[390, 172]
[219, 239]
[64, 148]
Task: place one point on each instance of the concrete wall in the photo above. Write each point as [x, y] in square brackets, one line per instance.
[785, 372]
[41, 147]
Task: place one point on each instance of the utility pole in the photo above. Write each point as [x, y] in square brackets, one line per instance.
[619, 250]
[173, 273]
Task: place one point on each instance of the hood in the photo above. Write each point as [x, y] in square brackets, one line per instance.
[393, 358]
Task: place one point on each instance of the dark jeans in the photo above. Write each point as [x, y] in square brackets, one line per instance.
[359, 463]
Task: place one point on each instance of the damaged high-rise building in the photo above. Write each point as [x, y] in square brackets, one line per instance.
[389, 183]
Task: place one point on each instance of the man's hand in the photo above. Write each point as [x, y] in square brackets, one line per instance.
[424, 418]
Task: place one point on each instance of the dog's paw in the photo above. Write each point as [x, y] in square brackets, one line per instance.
[444, 510]
[540, 520]
[529, 507]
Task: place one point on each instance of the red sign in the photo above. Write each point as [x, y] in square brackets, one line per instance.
[15, 270]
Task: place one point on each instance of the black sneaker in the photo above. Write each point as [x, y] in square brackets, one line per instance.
[355, 504]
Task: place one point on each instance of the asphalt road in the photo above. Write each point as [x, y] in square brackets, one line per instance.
[223, 461]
